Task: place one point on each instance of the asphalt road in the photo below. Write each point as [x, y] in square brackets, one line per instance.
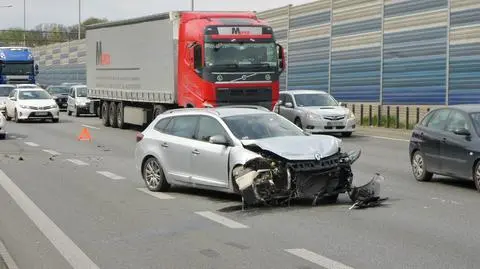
[85, 207]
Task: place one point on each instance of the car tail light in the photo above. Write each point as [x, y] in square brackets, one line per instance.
[139, 137]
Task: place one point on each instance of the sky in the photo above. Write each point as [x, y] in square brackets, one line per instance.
[66, 11]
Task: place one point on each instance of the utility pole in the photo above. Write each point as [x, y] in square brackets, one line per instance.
[192, 5]
[79, 19]
[24, 23]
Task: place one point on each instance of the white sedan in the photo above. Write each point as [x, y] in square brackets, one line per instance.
[3, 124]
[31, 104]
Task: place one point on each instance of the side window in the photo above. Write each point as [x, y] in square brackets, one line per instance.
[439, 120]
[183, 126]
[427, 117]
[12, 93]
[281, 98]
[208, 127]
[456, 121]
[162, 125]
[288, 99]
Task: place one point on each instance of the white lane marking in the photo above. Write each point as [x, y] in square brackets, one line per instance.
[158, 195]
[222, 220]
[77, 162]
[317, 259]
[31, 144]
[110, 175]
[89, 126]
[53, 152]
[387, 138]
[6, 257]
[67, 248]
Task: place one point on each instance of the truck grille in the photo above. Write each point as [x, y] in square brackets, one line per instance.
[236, 96]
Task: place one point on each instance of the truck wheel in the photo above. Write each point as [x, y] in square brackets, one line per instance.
[120, 122]
[112, 115]
[158, 110]
[105, 120]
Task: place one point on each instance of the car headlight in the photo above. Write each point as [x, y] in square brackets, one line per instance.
[312, 115]
[24, 106]
[350, 115]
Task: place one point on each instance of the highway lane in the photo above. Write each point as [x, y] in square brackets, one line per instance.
[425, 225]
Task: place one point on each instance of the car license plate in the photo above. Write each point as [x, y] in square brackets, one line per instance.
[41, 113]
[334, 123]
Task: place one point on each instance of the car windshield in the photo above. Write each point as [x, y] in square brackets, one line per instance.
[476, 121]
[252, 56]
[82, 92]
[258, 126]
[58, 90]
[17, 69]
[5, 91]
[29, 95]
[304, 100]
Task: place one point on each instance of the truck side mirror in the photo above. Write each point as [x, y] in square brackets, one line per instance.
[281, 57]
[36, 69]
[197, 58]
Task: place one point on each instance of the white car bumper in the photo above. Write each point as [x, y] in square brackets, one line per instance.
[3, 124]
[319, 125]
[31, 114]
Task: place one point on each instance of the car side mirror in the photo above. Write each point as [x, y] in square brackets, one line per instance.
[340, 103]
[12, 99]
[462, 131]
[36, 69]
[219, 140]
[289, 105]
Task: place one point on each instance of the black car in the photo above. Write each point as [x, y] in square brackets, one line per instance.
[447, 142]
[60, 94]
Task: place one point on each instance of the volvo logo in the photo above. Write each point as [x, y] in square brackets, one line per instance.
[219, 77]
[267, 77]
[244, 77]
[317, 156]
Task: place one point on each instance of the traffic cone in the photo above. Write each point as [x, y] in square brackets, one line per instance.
[84, 135]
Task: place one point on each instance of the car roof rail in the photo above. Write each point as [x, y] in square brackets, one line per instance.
[245, 106]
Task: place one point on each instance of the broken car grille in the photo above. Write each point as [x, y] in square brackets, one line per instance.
[314, 165]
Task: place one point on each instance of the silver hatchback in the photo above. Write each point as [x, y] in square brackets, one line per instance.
[257, 153]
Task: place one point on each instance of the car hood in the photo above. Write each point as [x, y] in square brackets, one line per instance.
[296, 148]
[326, 110]
[37, 102]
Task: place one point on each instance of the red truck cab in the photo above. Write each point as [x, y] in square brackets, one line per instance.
[227, 58]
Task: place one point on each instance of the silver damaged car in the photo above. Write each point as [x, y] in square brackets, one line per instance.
[247, 150]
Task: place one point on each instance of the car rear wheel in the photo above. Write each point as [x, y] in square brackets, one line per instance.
[154, 176]
[476, 176]
[419, 168]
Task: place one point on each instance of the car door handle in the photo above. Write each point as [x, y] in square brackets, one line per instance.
[164, 145]
[195, 152]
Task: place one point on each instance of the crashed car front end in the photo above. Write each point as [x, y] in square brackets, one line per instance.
[275, 178]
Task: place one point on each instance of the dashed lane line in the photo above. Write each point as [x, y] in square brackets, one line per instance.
[221, 219]
[91, 127]
[53, 152]
[159, 195]
[110, 175]
[77, 162]
[31, 144]
[67, 248]
[317, 259]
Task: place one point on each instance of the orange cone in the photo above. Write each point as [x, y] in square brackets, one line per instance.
[85, 135]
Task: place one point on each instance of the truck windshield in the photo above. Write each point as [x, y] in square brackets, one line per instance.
[241, 55]
[82, 92]
[17, 69]
[58, 90]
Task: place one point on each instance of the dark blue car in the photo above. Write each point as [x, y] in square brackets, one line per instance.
[447, 142]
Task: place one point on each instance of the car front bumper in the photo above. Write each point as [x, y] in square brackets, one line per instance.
[319, 125]
[31, 114]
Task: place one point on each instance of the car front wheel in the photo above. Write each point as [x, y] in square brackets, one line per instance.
[154, 176]
[419, 168]
[476, 176]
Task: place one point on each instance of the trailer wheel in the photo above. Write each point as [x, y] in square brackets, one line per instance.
[158, 110]
[120, 119]
[105, 119]
[112, 115]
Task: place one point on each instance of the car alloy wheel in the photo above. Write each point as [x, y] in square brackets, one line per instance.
[154, 176]
[476, 176]
[419, 169]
